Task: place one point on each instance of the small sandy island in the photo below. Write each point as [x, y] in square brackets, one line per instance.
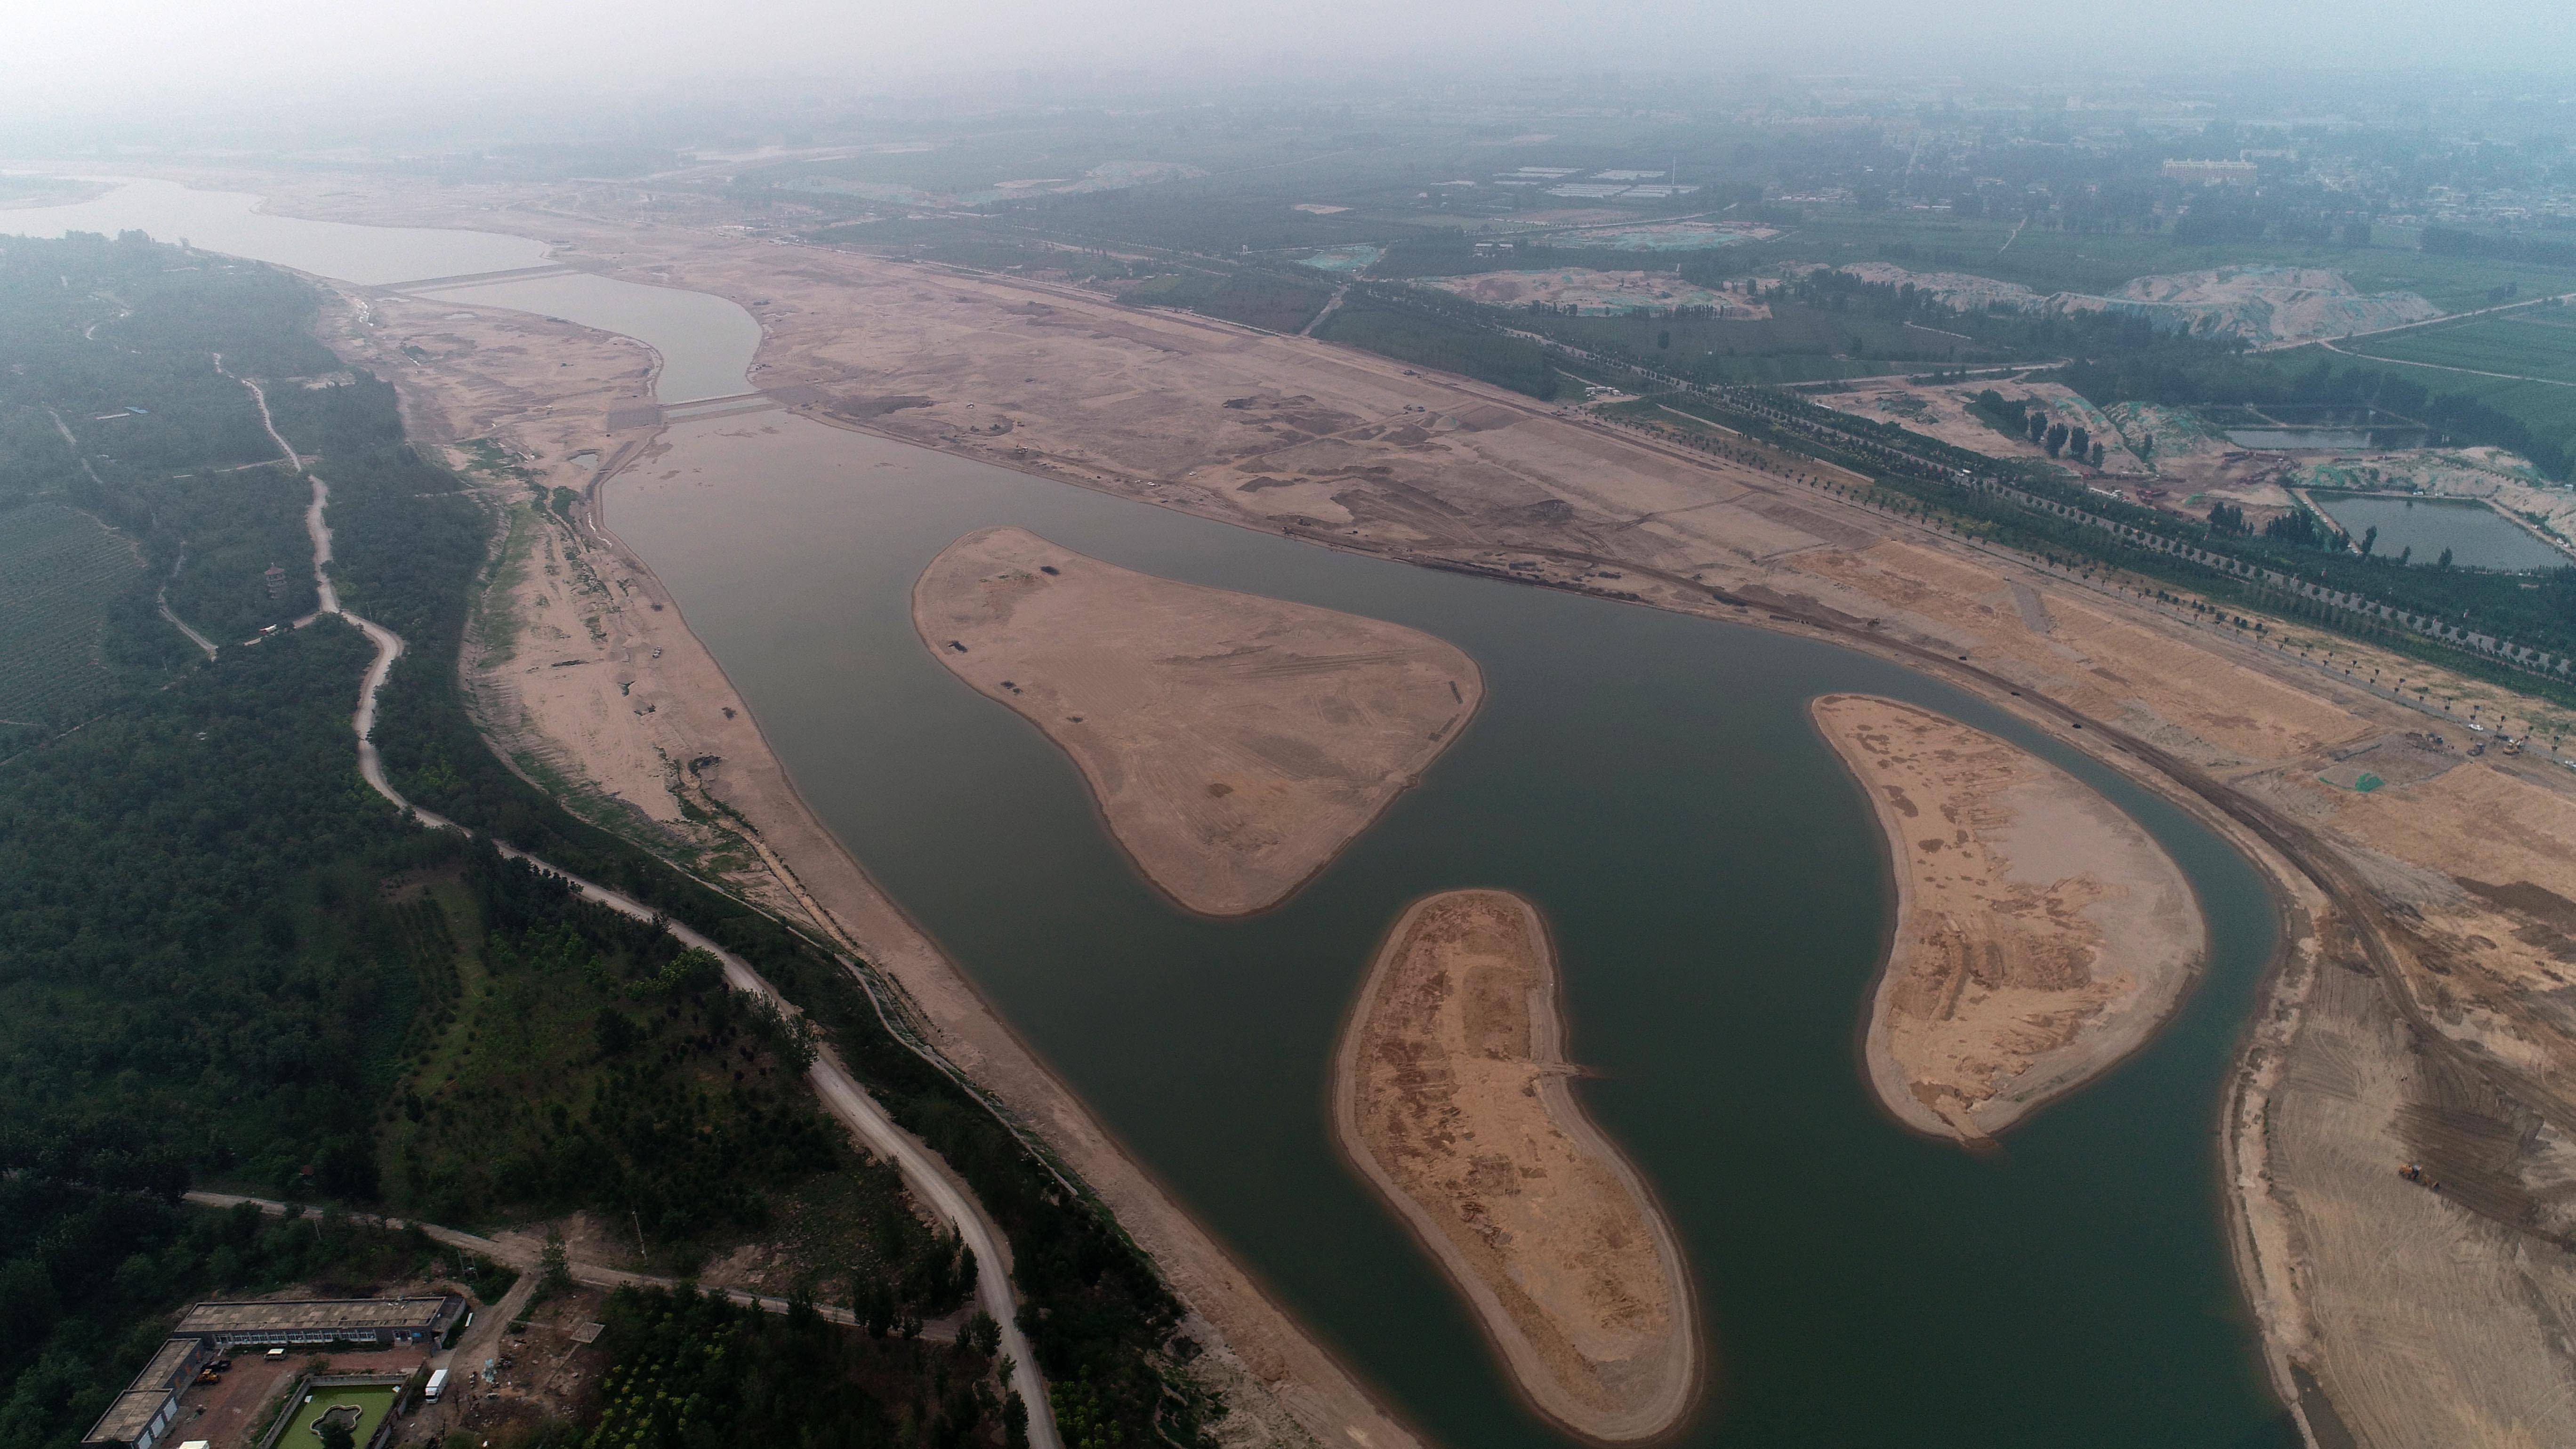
[1450, 1093]
[1234, 743]
[2041, 935]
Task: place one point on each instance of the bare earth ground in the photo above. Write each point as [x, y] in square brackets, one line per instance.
[1326, 445]
[1234, 743]
[2262, 304]
[1595, 293]
[1941, 411]
[1449, 1092]
[2040, 934]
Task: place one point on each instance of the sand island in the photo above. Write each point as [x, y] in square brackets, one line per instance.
[1449, 1092]
[2041, 935]
[1234, 743]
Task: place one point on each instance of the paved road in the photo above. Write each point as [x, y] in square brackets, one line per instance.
[922, 1169]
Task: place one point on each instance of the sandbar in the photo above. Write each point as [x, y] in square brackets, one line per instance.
[1234, 743]
[2041, 935]
[1449, 1093]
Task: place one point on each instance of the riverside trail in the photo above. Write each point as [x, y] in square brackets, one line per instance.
[923, 1172]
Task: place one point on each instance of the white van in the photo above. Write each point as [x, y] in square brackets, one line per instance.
[437, 1386]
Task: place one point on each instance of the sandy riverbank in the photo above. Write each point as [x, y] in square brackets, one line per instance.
[2040, 934]
[1449, 1093]
[1234, 743]
[1364, 454]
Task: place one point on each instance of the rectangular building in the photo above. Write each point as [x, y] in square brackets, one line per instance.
[143, 1414]
[322, 1320]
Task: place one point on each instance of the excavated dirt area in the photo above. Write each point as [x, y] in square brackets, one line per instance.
[2040, 934]
[1302, 438]
[1234, 743]
[2261, 304]
[1594, 294]
[1450, 1094]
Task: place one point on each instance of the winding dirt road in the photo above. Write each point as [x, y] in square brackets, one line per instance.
[923, 1170]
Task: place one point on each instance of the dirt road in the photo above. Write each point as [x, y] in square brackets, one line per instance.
[923, 1171]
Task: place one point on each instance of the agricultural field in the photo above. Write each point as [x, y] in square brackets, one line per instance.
[2534, 342]
[2100, 262]
[60, 574]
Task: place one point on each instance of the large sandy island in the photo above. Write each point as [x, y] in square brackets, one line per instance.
[1449, 1091]
[2040, 933]
[1234, 743]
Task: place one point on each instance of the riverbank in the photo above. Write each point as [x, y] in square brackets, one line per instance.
[1450, 1096]
[1234, 744]
[2040, 935]
[1128, 402]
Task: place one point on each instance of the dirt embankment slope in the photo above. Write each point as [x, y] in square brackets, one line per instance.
[2040, 934]
[1449, 1091]
[1234, 743]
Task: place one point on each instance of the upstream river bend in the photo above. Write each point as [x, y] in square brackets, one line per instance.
[1717, 888]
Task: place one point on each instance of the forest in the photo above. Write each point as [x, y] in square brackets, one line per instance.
[1432, 332]
[225, 960]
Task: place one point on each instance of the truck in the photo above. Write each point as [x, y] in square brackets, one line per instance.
[437, 1386]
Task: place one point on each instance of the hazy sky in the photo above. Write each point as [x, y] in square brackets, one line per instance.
[136, 57]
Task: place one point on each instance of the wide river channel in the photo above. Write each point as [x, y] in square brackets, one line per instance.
[1715, 881]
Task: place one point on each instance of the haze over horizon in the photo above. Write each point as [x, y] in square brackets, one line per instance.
[132, 60]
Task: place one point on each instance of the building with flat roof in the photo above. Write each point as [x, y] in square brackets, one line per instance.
[322, 1320]
[142, 1415]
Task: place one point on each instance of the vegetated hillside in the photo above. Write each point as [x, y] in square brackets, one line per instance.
[224, 959]
[1256, 299]
[111, 405]
[688, 1369]
[62, 574]
[1439, 332]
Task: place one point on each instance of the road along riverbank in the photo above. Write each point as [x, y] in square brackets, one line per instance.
[923, 1173]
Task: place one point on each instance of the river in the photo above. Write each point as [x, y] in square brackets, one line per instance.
[1718, 890]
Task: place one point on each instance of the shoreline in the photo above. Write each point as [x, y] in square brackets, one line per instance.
[2056, 1072]
[1275, 1352]
[1685, 1359]
[2247, 823]
[1473, 704]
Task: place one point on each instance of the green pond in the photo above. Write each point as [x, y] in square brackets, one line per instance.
[1718, 891]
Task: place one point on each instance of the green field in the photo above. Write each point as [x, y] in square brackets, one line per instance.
[60, 571]
[372, 1401]
[2535, 342]
[2099, 262]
